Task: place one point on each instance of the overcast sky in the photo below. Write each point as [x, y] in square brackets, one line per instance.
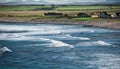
[56, 1]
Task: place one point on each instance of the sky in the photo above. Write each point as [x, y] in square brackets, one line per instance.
[59, 1]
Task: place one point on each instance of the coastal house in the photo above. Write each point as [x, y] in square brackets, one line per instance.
[82, 15]
[117, 14]
[114, 15]
[104, 15]
[100, 15]
[53, 14]
[95, 15]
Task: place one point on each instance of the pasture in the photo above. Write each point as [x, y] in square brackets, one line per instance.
[21, 8]
[77, 8]
[58, 8]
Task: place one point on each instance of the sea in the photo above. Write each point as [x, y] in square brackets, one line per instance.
[58, 46]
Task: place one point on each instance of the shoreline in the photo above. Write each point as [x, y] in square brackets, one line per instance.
[106, 24]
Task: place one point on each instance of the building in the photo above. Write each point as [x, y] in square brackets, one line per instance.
[117, 14]
[104, 15]
[95, 15]
[114, 15]
[100, 15]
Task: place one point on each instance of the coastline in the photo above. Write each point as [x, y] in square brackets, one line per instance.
[107, 24]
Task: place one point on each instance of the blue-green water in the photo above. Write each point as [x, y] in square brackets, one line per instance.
[51, 46]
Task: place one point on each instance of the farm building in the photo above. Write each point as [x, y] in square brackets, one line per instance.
[100, 15]
[118, 14]
[82, 15]
[104, 15]
[95, 15]
[53, 14]
[115, 15]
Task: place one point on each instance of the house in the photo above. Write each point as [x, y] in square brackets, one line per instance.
[104, 15]
[95, 15]
[114, 15]
[82, 15]
[100, 15]
[117, 14]
[53, 14]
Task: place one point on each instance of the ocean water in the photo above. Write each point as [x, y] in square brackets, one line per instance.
[53, 46]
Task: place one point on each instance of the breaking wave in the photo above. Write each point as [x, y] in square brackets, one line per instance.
[97, 43]
[4, 49]
[81, 38]
[56, 43]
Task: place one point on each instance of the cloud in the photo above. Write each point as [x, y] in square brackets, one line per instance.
[36, 0]
[90, 0]
[24, 0]
[71, 1]
[57, 1]
[6, 1]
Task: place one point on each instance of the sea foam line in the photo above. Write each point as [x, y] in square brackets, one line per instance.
[56, 43]
[81, 38]
[101, 43]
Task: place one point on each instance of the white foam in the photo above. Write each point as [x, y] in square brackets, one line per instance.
[56, 43]
[82, 30]
[20, 37]
[101, 43]
[17, 28]
[4, 49]
[81, 38]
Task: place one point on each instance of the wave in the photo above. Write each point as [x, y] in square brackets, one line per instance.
[27, 28]
[56, 43]
[101, 43]
[81, 38]
[4, 49]
[77, 30]
[19, 28]
[97, 43]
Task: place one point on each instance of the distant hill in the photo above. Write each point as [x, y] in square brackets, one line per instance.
[19, 2]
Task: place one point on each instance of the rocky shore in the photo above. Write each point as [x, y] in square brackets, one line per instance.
[108, 24]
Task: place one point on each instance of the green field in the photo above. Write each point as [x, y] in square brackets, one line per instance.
[58, 8]
[86, 18]
[69, 8]
[21, 8]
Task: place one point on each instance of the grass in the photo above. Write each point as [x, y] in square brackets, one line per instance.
[70, 8]
[82, 19]
[21, 8]
[59, 8]
[26, 11]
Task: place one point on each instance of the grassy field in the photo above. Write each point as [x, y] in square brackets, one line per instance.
[69, 8]
[21, 8]
[83, 19]
[58, 8]
[27, 13]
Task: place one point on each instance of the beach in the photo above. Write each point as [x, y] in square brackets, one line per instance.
[108, 24]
